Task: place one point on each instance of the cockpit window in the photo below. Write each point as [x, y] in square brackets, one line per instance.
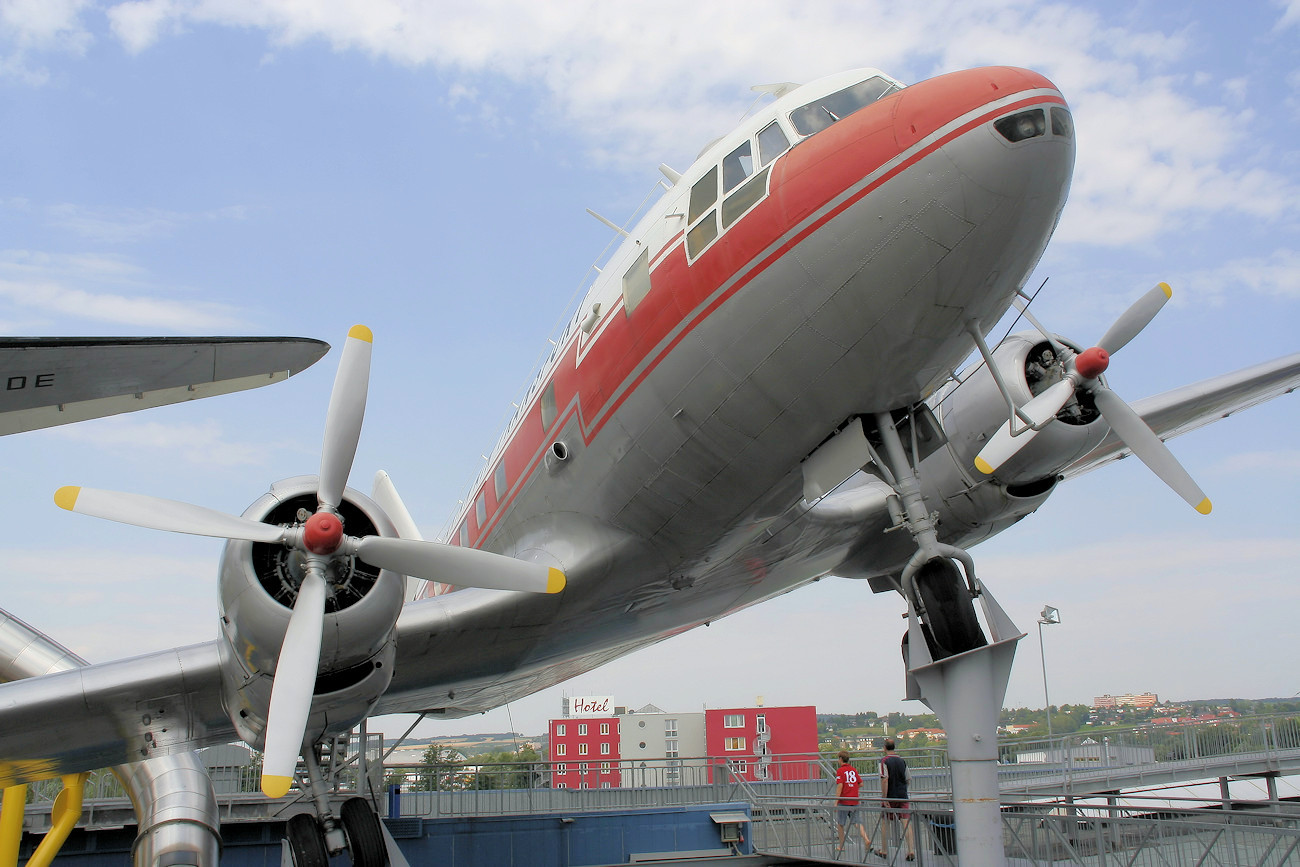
[736, 166]
[703, 194]
[1025, 125]
[772, 142]
[821, 113]
[1062, 124]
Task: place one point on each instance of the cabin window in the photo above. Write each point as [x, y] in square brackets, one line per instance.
[480, 509]
[744, 198]
[499, 480]
[821, 113]
[548, 406]
[464, 535]
[736, 166]
[772, 142]
[636, 282]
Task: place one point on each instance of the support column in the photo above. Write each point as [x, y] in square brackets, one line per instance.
[966, 692]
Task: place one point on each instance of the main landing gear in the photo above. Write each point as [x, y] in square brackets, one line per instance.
[952, 665]
[311, 838]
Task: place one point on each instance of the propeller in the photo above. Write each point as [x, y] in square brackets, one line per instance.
[320, 539]
[1082, 371]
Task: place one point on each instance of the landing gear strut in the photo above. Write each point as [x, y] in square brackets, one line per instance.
[310, 841]
[958, 671]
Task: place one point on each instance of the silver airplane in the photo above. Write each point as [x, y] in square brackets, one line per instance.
[758, 387]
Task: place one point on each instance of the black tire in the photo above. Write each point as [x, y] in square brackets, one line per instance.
[306, 841]
[949, 609]
[365, 836]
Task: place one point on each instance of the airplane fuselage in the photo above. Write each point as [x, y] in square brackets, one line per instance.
[658, 459]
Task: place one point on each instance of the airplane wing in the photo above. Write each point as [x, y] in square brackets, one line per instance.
[49, 381]
[1192, 406]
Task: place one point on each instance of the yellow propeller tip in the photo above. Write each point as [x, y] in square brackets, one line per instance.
[361, 332]
[1204, 506]
[984, 466]
[66, 497]
[1169, 293]
[274, 786]
[555, 581]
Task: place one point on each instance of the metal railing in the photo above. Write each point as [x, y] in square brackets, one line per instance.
[1049, 833]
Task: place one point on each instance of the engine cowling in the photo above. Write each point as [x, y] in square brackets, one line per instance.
[973, 411]
[258, 587]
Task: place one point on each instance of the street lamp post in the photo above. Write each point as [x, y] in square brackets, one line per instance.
[1047, 616]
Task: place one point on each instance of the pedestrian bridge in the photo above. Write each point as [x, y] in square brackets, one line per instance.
[1065, 800]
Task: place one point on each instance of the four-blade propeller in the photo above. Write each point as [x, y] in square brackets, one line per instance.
[1082, 371]
[320, 538]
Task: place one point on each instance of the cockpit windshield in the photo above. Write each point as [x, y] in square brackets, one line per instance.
[821, 113]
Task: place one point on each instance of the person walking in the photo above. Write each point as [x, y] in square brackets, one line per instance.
[893, 788]
[847, 814]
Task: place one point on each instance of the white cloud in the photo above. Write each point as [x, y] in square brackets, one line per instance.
[107, 307]
[31, 26]
[204, 443]
[1290, 14]
[126, 225]
[1276, 275]
[644, 84]
[1273, 464]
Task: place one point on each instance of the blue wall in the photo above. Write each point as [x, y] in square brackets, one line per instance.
[606, 837]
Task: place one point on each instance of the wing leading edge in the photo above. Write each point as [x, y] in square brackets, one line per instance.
[48, 381]
[1184, 409]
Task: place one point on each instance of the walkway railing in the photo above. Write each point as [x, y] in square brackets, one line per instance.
[1054, 833]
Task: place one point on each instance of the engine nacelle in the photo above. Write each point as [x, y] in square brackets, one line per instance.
[973, 411]
[258, 587]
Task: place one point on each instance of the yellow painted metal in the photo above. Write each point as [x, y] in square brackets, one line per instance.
[11, 824]
[67, 810]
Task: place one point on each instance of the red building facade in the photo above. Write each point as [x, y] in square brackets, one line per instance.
[584, 753]
[764, 743]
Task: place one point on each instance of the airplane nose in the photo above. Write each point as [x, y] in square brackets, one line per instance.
[1019, 141]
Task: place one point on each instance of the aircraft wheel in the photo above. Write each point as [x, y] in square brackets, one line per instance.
[949, 609]
[365, 836]
[306, 841]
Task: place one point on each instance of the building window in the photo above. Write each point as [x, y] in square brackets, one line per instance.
[604, 728]
[582, 749]
[762, 723]
[559, 749]
[584, 785]
[582, 767]
[734, 744]
[733, 721]
[582, 730]
[561, 785]
[559, 730]
[604, 749]
[670, 748]
[604, 767]
[737, 766]
[607, 785]
[560, 770]
[670, 728]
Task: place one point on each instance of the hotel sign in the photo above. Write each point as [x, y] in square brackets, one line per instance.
[591, 705]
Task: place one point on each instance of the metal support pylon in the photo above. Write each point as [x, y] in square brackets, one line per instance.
[966, 691]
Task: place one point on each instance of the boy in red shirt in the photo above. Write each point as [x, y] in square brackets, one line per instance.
[847, 781]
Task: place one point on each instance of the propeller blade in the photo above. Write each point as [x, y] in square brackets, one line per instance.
[291, 691]
[1143, 442]
[159, 514]
[343, 420]
[1002, 446]
[464, 567]
[1133, 320]
[385, 494]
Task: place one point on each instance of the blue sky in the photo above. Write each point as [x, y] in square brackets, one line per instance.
[175, 167]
